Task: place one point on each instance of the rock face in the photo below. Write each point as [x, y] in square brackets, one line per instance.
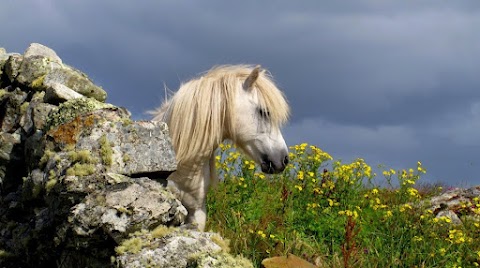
[456, 204]
[81, 184]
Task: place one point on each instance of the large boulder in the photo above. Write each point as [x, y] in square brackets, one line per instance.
[456, 204]
[83, 185]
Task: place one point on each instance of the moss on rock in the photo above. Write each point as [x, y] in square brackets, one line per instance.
[69, 110]
[106, 150]
[218, 260]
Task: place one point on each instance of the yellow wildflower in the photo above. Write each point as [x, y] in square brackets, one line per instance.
[261, 234]
[405, 207]
[260, 175]
[417, 238]
[317, 190]
[413, 192]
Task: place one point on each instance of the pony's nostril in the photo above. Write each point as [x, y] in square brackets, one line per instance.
[285, 161]
[271, 168]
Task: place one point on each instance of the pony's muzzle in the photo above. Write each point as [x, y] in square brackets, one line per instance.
[273, 167]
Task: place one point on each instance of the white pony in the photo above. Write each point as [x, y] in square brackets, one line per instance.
[235, 102]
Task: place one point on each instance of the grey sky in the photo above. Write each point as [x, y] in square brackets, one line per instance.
[392, 82]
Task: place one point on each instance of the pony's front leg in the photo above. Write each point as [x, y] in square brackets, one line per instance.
[193, 187]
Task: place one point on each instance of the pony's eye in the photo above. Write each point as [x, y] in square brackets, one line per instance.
[263, 113]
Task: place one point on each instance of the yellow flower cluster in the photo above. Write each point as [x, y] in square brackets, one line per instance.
[417, 238]
[248, 164]
[420, 168]
[388, 173]
[312, 205]
[405, 207]
[259, 175]
[350, 213]
[456, 236]
[413, 192]
[310, 153]
[261, 234]
[376, 204]
[241, 182]
[353, 172]
[442, 219]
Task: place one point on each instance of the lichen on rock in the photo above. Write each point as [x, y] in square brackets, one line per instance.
[79, 178]
[177, 248]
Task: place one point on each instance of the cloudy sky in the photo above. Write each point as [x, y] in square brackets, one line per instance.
[392, 82]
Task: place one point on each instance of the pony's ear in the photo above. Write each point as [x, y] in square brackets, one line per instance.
[252, 78]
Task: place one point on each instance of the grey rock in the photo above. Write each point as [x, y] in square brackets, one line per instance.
[33, 185]
[57, 93]
[34, 149]
[12, 109]
[36, 49]
[123, 146]
[33, 70]
[141, 148]
[7, 144]
[75, 80]
[165, 251]
[12, 66]
[10, 155]
[123, 208]
[455, 204]
[36, 116]
[73, 108]
[73, 175]
[451, 215]
[3, 59]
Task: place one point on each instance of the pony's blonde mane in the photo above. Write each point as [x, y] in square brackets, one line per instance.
[201, 115]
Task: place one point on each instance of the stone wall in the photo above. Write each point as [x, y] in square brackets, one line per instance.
[81, 183]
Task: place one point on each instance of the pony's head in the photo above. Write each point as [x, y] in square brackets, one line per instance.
[260, 109]
[235, 102]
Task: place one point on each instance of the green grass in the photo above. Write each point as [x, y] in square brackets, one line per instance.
[335, 214]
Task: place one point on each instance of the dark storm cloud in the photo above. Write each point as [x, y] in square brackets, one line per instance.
[390, 81]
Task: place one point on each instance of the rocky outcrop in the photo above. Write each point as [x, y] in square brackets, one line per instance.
[456, 204]
[82, 185]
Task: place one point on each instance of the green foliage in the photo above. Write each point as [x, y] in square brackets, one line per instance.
[335, 214]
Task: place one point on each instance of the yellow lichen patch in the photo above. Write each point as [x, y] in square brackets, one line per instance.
[219, 259]
[132, 245]
[126, 158]
[38, 83]
[82, 156]
[46, 155]
[50, 184]
[106, 150]
[81, 170]
[24, 107]
[162, 231]
[222, 242]
[3, 92]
